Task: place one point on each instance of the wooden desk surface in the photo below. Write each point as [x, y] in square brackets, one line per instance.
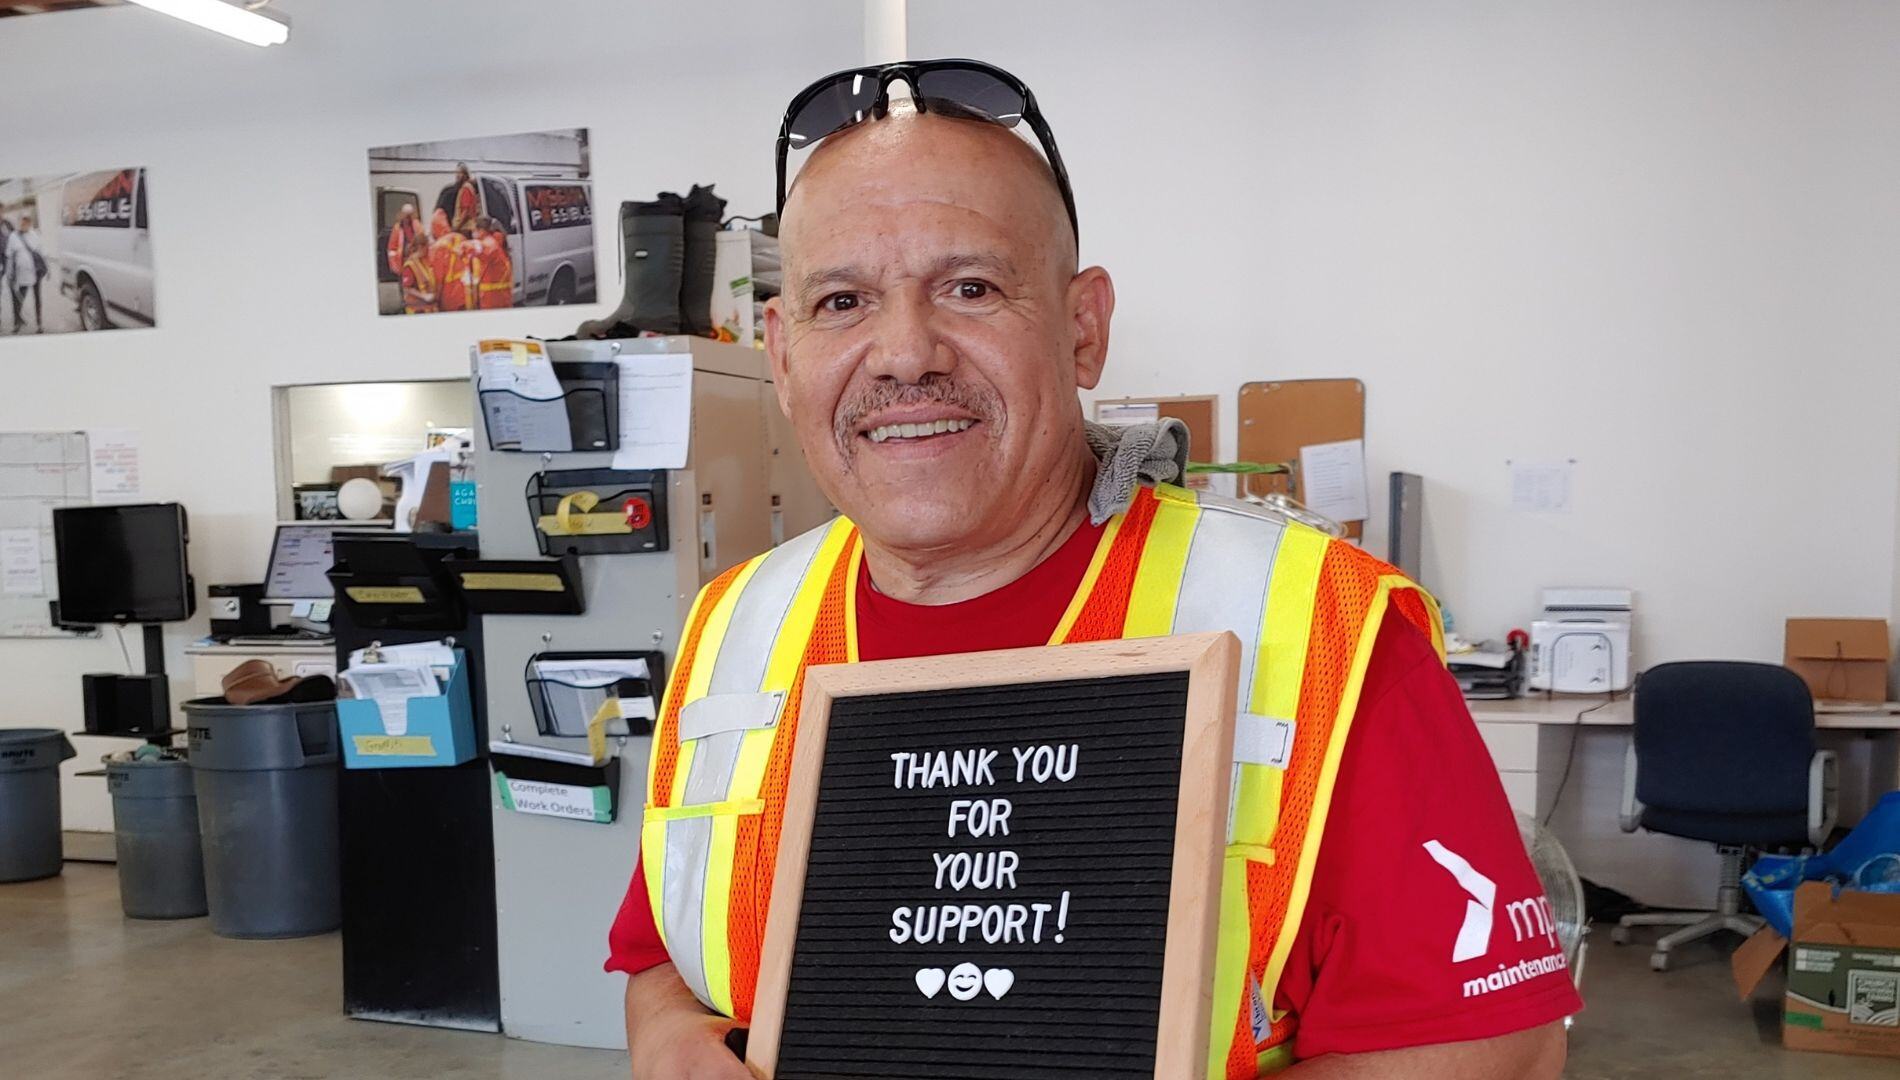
[1563, 709]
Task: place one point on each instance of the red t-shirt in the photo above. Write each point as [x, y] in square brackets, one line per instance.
[1424, 923]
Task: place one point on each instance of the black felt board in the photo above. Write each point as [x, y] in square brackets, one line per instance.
[1086, 1007]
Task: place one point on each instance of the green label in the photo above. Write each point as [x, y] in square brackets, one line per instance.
[1802, 1020]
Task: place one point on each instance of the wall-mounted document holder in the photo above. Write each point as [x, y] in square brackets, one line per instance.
[598, 511]
[432, 730]
[585, 417]
[394, 581]
[617, 693]
[554, 783]
[520, 586]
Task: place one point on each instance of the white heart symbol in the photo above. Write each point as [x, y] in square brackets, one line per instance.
[930, 980]
[998, 981]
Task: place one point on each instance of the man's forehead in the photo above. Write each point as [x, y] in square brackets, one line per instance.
[922, 161]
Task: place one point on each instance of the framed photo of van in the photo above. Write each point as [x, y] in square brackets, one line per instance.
[75, 252]
[501, 221]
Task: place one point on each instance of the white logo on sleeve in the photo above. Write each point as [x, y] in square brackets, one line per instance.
[1474, 936]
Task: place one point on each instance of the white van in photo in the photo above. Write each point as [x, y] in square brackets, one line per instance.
[534, 186]
[104, 248]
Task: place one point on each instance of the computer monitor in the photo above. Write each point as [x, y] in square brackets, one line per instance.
[300, 559]
[122, 564]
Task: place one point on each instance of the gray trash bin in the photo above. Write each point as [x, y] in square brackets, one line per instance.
[266, 777]
[155, 819]
[29, 802]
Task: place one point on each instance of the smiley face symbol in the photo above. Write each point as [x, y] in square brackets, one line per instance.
[966, 981]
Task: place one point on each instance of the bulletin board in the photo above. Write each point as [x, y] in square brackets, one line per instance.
[40, 471]
[1277, 418]
[1002, 864]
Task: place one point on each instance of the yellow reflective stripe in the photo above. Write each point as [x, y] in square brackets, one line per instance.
[1323, 788]
[1276, 1059]
[1230, 961]
[727, 808]
[1082, 591]
[1287, 622]
[653, 843]
[716, 956]
[1157, 585]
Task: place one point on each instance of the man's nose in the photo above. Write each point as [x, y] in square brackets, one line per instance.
[907, 347]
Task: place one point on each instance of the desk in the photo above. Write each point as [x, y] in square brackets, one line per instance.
[1532, 739]
[211, 660]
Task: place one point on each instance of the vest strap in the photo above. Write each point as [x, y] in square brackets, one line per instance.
[716, 714]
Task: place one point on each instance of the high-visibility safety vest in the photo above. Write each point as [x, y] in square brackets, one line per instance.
[1306, 607]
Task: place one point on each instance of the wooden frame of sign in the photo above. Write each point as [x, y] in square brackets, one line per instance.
[1120, 1000]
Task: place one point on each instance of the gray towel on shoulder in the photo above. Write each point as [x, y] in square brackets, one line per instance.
[1131, 455]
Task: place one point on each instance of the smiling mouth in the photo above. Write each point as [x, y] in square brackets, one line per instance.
[927, 429]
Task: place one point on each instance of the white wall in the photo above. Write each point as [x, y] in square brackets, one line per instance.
[1660, 238]
[260, 220]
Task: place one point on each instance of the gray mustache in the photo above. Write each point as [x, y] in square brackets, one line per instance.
[933, 390]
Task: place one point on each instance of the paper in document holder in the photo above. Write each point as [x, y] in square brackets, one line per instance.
[567, 690]
[436, 731]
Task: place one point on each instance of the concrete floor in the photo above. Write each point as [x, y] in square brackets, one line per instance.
[86, 993]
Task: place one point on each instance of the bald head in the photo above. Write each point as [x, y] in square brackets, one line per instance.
[924, 159]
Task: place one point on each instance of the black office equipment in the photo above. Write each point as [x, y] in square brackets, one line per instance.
[1406, 527]
[123, 564]
[588, 410]
[598, 511]
[238, 611]
[391, 581]
[127, 704]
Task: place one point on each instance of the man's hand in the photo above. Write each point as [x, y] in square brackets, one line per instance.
[671, 1036]
[1536, 1054]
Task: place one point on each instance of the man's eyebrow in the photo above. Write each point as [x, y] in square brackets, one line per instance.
[963, 262]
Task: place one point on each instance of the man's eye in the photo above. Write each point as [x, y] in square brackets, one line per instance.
[973, 290]
[843, 301]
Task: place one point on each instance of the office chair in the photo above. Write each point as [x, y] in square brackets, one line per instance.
[1724, 752]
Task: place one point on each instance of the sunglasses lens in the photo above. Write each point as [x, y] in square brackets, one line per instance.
[833, 108]
[978, 91]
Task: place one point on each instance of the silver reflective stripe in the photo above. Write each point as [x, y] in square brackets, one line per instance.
[717, 713]
[759, 615]
[1224, 585]
[682, 896]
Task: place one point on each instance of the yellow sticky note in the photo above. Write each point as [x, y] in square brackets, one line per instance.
[394, 745]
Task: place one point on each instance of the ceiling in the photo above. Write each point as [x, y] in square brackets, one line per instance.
[41, 7]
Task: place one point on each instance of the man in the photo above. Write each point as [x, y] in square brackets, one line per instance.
[494, 270]
[928, 350]
[26, 268]
[468, 202]
[401, 235]
[449, 262]
[419, 283]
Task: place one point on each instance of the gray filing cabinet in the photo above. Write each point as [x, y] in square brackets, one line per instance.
[558, 882]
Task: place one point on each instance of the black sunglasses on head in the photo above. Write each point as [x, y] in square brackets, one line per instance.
[961, 88]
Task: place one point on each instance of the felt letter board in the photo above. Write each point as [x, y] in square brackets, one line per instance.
[1002, 866]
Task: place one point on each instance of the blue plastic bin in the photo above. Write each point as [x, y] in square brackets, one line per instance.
[441, 729]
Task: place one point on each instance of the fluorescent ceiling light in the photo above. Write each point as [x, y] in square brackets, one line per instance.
[254, 26]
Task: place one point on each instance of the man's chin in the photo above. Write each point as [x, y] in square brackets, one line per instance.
[918, 524]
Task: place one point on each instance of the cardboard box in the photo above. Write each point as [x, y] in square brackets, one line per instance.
[1840, 659]
[1843, 971]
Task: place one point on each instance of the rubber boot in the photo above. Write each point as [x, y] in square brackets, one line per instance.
[703, 211]
[654, 239]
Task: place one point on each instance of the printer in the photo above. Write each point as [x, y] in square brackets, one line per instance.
[1581, 645]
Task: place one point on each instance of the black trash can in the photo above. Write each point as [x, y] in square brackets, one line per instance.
[155, 821]
[266, 778]
[29, 802]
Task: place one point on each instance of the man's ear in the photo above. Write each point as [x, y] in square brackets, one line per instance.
[775, 347]
[1091, 305]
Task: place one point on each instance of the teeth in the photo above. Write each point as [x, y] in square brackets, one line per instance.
[918, 431]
